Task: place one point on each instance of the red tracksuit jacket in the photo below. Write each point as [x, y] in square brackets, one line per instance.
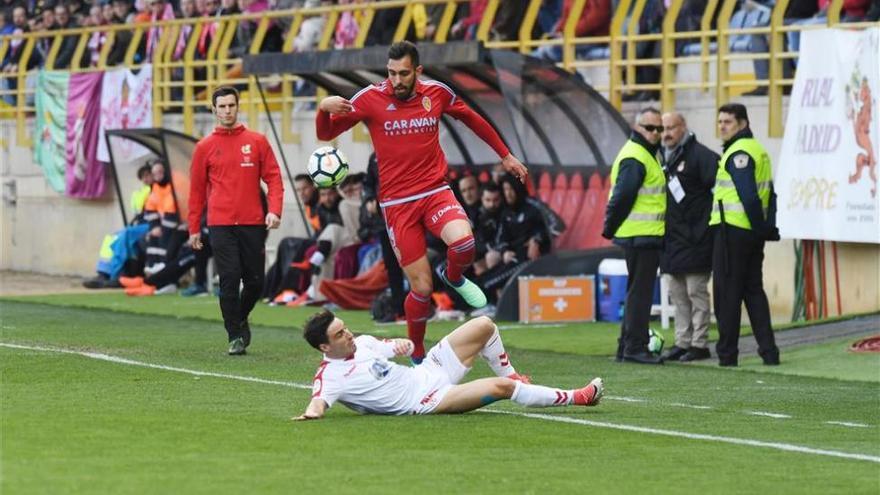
[226, 170]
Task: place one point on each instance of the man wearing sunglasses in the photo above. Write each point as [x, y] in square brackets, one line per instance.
[634, 219]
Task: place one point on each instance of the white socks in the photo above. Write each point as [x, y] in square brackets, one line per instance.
[540, 396]
[317, 258]
[494, 353]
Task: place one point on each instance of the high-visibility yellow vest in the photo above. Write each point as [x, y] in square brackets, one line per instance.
[139, 198]
[647, 217]
[725, 191]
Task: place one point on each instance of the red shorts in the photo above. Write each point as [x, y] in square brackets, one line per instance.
[407, 222]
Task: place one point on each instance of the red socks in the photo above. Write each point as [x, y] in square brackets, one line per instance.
[417, 308]
[459, 255]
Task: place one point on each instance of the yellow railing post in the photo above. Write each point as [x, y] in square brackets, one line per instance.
[667, 54]
[632, 41]
[24, 138]
[528, 24]
[568, 33]
[722, 92]
[189, 96]
[833, 12]
[774, 111]
[616, 53]
[485, 26]
[403, 25]
[445, 22]
[705, 40]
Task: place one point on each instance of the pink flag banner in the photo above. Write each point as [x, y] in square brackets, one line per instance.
[84, 174]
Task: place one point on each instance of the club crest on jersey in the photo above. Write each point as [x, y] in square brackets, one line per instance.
[246, 149]
[246, 156]
[426, 103]
[379, 369]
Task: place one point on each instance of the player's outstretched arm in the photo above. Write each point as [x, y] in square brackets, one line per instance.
[315, 410]
[513, 166]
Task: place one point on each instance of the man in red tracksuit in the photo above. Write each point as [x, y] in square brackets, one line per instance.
[403, 116]
[225, 175]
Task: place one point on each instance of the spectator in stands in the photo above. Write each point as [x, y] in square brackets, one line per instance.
[466, 27]
[63, 20]
[395, 272]
[486, 229]
[686, 260]
[651, 21]
[347, 28]
[107, 11]
[98, 38]
[247, 29]
[522, 237]
[13, 55]
[758, 44]
[508, 18]
[308, 196]
[124, 11]
[160, 10]
[161, 212]
[79, 11]
[811, 12]
[469, 192]
[339, 228]
[595, 20]
[122, 14]
[228, 7]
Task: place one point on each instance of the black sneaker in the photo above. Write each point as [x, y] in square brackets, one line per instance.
[674, 353]
[245, 333]
[236, 348]
[695, 354]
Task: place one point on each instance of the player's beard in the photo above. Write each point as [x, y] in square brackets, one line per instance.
[404, 92]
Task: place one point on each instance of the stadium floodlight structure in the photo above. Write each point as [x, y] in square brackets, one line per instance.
[548, 117]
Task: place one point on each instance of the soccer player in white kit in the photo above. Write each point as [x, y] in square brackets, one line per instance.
[357, 373]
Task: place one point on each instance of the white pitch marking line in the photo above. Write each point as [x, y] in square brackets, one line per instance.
[689, 406]
[693, 436]
[530, 325]
[115, 359]
[560, 419]
[847, 423]
[769, 414]
[623, 399]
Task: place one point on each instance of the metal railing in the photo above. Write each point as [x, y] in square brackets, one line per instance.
[183, 79]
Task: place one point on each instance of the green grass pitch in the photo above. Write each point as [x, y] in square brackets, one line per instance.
[105, 394]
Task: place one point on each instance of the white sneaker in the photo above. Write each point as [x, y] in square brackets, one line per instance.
[487, 310]
[168, 289]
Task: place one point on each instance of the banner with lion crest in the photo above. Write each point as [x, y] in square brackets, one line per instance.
[827, 174]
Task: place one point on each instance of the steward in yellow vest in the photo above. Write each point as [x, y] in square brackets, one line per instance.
[634, 219]
[743, 218]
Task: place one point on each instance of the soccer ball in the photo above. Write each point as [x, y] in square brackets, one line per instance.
[327, 166]
[655, 341]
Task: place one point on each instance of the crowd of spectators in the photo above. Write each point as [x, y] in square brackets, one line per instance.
[21, 16]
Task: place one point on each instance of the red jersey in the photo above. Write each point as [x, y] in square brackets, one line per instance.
[226, 169]
[405, 134]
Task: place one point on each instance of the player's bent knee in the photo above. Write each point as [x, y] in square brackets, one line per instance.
[504, 388]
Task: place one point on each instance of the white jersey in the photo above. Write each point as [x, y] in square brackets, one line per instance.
[368, 382]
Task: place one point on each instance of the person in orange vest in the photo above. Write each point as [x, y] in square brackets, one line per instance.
[160, 211]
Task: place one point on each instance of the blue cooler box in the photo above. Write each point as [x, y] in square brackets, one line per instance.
[611, 289]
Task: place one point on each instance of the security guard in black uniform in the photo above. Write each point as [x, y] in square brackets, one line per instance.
[634, 218]
[743, 218]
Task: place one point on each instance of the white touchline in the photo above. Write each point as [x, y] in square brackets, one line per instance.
[693, 436]
[769, 414]
[560, 419]
[847, 423]
[689, 406]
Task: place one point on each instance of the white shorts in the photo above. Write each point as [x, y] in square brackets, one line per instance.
[439, 371]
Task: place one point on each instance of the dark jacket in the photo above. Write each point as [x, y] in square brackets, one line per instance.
[486, 230]
[521, 222]
[630, 177]
[747, 190]
[688, 242]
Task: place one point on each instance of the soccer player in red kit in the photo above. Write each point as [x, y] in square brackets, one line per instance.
[403, 116]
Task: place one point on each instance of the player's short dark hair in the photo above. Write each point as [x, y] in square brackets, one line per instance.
[402, 49]
[145, 169]
[738, 110]
[491, 187]
[223, 91]
[299, 177]
[315, 328]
